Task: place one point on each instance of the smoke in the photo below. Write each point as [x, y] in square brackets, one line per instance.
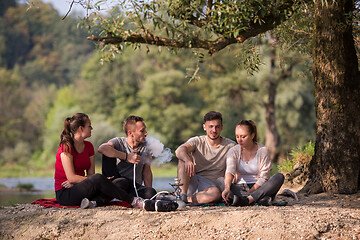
[160, 154]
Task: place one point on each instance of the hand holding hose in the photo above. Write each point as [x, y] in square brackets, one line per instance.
[133, 157]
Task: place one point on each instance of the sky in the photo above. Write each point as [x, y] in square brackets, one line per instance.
[62, 6]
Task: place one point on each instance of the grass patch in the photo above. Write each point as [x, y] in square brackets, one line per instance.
[274, 169]
[25, 186]
[10, 171]
[301, 154]
[165, 170]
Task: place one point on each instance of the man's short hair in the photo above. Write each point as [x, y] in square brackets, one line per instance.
[212, 115]
[131, 120]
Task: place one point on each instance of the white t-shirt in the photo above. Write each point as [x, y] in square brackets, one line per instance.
[262, 159]
[210, 161]
[248, 171]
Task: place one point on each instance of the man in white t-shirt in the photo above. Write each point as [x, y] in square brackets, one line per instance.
[202, 159]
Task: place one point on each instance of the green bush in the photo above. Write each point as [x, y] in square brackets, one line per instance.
[18, 154]
[300, 154]
[285, 165]
[26, 186]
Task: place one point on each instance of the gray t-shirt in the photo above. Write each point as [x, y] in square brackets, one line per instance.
[125, 168]
[210, 161]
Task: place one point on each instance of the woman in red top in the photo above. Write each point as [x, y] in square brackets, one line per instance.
[75, 180]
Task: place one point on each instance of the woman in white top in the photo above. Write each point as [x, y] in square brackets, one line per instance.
[248, 165]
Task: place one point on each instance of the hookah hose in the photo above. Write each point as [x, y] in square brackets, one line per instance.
[137, 195]
[134, 178]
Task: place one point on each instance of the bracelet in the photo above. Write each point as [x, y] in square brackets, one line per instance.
[126, 155]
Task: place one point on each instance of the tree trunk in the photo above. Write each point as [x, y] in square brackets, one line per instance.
[336, 164]
[272, 135]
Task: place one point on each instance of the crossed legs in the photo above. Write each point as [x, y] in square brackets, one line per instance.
[198, 188]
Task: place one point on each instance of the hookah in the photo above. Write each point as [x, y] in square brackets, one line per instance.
[175, 185]
[177, 192]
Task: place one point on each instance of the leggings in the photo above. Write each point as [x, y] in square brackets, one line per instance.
[270, 188]
[96, 188]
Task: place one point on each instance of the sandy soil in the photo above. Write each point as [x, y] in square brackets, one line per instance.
[321, 216]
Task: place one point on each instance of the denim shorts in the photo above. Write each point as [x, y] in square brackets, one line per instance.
[199, 183]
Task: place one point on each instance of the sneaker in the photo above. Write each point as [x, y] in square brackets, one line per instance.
[86, 203]
[166, 206]
[138, 202]
[160, 205]
[183, 197]
[240, 201]
[265, 201]
[166, 198]
[149, 205]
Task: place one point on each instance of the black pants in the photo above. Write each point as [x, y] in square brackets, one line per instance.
[96, 188]
[270, 188]
[109, 169]
[128, 186]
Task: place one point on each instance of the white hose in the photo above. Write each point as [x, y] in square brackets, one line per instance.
[137, 195]
[134, 182]
[158, 194]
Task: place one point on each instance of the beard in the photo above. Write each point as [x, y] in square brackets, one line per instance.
[214, 138]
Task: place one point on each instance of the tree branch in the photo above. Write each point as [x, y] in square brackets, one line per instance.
[267, 23]
[211, 46]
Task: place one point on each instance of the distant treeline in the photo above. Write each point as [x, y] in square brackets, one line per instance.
[48, 71]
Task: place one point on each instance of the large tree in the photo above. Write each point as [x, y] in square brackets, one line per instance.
[214, 25]
[337, 99]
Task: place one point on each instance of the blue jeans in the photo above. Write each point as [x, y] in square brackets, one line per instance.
[270, 188]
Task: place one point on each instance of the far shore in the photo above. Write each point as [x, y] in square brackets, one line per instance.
[17, 189]
[16, 171]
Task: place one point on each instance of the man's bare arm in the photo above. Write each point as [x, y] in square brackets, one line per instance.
[108, 150]
[183, 154]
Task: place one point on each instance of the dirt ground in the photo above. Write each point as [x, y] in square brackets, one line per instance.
[321, 216]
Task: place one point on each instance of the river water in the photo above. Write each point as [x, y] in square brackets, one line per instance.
[45, 189]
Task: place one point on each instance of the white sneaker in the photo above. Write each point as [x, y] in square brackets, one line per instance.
[86, 203]
[138, 202]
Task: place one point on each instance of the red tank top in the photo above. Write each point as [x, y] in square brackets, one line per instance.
[81, 163]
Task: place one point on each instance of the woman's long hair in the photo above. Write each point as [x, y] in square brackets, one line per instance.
[71, 125]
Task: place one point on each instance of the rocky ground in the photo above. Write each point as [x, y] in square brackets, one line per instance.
[319, 216]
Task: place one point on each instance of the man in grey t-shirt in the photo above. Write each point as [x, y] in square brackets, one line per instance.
[202, 160]
[121, 153]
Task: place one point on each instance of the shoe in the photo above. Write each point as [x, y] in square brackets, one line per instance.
[183, 197]
[166, 198]
[166, 206]
[149, 205]
[160, 205]
[240, 201]
[138, 202]
[86, 203]
[265, 201]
